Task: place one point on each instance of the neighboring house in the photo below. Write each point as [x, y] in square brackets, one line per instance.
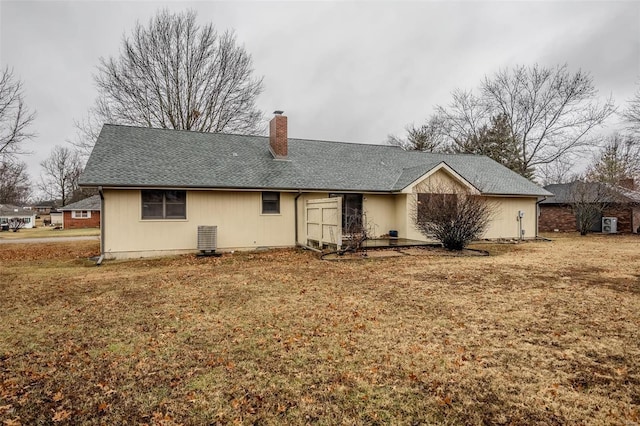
[44, 207]
[9, 212]
[620, 202]
[81, 214]
[159, 185]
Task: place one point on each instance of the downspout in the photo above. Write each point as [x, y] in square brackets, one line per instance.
[295, 214]
[101, 258]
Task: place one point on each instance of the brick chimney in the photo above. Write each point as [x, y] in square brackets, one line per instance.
[278, 141]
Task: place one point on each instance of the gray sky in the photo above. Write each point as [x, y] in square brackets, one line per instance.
[346, 71]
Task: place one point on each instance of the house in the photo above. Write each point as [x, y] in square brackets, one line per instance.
[618, 201]
[10, 213]
[81, 214]
[44, 207]
[158, 186]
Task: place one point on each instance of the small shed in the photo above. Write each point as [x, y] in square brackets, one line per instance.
[56, 218]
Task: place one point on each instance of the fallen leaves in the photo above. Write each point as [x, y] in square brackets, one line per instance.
[60, 415]
[282, 337]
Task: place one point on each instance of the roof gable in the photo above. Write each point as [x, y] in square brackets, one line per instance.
[143, 157]
[441, 169]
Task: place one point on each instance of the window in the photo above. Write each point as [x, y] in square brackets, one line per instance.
[80, 214]
[160, 204]
[439, 202]
[26, 220]
[270, 202]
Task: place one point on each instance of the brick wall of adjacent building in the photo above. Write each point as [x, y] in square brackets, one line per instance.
[560, 217]
[623, 214]
[556, 216]
[91, 222]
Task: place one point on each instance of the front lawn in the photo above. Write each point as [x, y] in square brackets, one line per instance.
[47, 231]
[536, 333]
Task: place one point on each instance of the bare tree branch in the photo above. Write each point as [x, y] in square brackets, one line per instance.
[551, 112]
[428, 137]
[631, 114]
[15, 187]
[176, 74]
[61, 171]
[452, 216]
[617, 160]
[15, 117]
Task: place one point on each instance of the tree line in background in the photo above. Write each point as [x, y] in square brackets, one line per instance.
[536, 121]
[172, 73]
[176, 74]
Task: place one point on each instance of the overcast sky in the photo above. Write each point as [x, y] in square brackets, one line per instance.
[345, 71]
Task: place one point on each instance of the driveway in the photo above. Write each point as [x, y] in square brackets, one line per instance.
[48, 239]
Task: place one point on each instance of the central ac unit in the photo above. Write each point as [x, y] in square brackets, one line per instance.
[207, 239]
[609, 225]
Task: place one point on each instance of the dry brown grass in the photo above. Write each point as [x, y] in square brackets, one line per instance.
[536, 333]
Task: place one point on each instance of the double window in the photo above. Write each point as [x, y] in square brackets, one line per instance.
[270, 202]
[80, 214]
[164, 204]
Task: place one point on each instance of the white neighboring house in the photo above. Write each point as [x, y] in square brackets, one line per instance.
[10, 213]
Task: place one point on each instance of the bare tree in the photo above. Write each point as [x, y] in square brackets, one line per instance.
[16, 224]
[618, 159]
[356, 231]
[588, 201]
[452, 216]
[551, 112]
[87, 131]
[176, 74]
[61, 171]
[428, 137]
[497, 142]
[15, 185]
[559, 171]
[631, 114]
[15, 117]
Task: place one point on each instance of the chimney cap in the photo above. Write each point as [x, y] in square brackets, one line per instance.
[278, 112]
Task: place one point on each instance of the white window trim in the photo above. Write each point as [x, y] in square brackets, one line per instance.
[74, 214]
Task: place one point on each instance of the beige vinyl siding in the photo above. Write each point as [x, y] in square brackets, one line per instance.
[504, 222]
[440, 181]
[241, 225]
[402, 219]
[380, 213]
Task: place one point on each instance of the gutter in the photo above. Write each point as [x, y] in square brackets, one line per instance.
[101, 258]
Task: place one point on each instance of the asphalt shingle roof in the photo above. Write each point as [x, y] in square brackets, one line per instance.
[11, 210]
[145, 157]
[563, 193]
[89, 203]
